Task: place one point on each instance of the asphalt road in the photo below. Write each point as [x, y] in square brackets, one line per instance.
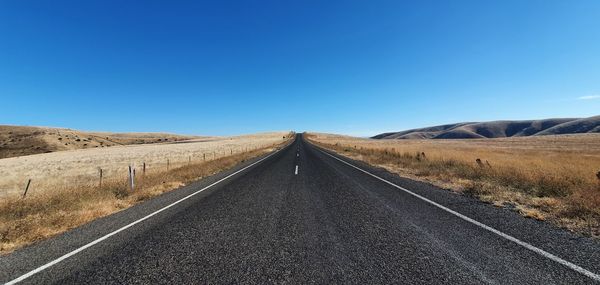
[302, 215]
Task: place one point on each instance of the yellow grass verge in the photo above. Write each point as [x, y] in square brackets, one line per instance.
[47, 213]
[546, 178]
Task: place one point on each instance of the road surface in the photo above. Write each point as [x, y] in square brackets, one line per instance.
[303, 215]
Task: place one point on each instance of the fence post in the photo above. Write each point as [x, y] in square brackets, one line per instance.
[168, 162]
[100, 170]
[131, 178]
[190, 159]
[204, 155]
[26, 188]
[144, 169]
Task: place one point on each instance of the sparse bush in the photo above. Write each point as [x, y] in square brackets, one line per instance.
[477, 188]
[120, 191]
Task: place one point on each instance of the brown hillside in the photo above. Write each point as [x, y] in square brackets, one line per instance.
[500, 129]
[21, 140]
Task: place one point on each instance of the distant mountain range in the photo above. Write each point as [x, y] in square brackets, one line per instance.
[500, 129]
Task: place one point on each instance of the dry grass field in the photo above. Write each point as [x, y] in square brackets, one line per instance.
[20, 140]
[81, 167]
[550, 178]
[65, 191]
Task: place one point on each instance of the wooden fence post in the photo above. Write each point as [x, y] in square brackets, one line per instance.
[204, 155]
[168, 162]
[26, 188]
[100, 170]
[131, 178]
[144, 169]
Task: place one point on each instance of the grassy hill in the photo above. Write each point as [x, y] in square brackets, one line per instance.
[500, 129]
[22, 140]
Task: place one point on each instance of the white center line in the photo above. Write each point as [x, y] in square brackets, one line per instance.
[526, 245]
[296, 172]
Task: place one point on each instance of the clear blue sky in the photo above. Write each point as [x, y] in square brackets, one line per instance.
[353, 67]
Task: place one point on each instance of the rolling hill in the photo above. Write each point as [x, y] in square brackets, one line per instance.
[23, 140]
[500, 129]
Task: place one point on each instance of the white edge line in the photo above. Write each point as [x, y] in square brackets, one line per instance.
[84, 247]
[526, 245]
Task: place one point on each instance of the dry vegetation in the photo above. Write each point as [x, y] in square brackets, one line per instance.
[68, 193]
[77, 167]
[19, 140]
[550, 178]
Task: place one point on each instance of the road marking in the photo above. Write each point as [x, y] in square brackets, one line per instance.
[296, 172]
[84, 247]
[297, 155]
[526, 245]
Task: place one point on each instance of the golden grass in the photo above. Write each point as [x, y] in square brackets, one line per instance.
[547, 178]
[71, 168]
[43, 214]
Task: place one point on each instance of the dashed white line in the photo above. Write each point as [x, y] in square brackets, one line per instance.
[84, 247]
[526, 245]
[296, 172]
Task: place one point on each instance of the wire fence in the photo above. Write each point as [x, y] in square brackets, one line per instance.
[91, 168]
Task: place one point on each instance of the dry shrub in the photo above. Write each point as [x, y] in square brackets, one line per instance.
[584, 203]
[477, 189]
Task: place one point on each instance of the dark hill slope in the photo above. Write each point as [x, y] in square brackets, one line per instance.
[500, 129]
